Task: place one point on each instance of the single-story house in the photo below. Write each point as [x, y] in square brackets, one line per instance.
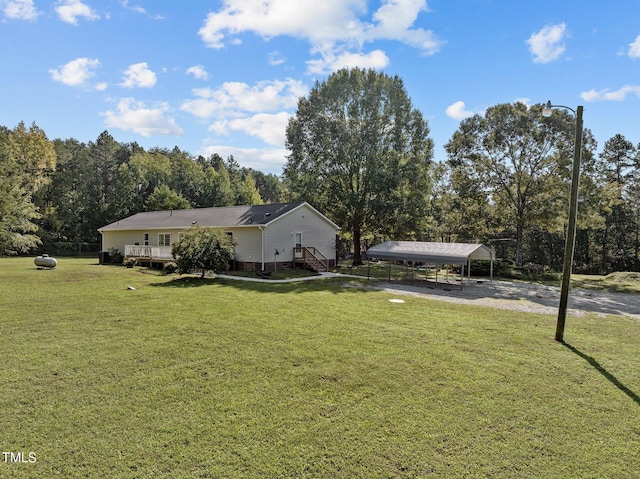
[460, 254]
[267, 237]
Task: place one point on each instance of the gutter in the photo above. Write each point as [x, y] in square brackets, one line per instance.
[262, 229]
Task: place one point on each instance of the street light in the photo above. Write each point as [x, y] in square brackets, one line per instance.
[573, 214]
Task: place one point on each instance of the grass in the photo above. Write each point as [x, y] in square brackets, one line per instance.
[193, 378]
[623, 282]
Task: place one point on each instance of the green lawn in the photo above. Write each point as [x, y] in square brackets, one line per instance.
[189, 378]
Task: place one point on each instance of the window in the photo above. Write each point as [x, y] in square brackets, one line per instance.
[164, 239]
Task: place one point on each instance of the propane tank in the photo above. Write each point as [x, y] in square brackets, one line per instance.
[45, 261]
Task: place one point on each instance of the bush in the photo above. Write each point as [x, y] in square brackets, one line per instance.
[203, 249]
[549, 276]
[501, 267]
[115, 256]
[170, 268]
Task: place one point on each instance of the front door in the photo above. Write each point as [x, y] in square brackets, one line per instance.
[297, 244]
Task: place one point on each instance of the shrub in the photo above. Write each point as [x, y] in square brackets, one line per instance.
[501, 267]
[170, 268]
[203, 249]
[115, 256]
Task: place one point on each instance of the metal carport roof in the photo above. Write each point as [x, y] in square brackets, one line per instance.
[439, 253]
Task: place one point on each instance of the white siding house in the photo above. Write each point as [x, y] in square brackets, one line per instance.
[266, 236]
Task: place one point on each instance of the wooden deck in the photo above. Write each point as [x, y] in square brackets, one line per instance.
[148, 254]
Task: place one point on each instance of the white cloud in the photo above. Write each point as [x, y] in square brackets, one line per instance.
[21, 10]
[138, 75]
[394, 20]
[611, 95]
[276, 58]
[135, 116]
[307, 19]
[261, 159]
[70, 10]
[546, 45]
[634, 48]
[233, 99]
[139, 9]
[260, 111]
[457, 111]
[270, 128]
[330, 61]
[77, 72]
[332, 27]
[198, 72]
[134, 8]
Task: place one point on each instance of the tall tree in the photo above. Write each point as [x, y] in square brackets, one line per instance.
[615, 172]
[269, 186]
[187, 176]
[148, 171]
[64, 210]
[27, 158]
[361, 153]
[520, 161]
[106, 156]
[217, 189]
[248, 193]
[164, 198]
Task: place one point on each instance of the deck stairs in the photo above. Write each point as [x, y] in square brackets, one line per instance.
[311, 258]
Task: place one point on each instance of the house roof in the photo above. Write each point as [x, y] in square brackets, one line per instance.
[440, 253]
[221, 217]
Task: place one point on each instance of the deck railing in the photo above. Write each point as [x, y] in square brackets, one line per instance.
[147, 252]
[312, 257]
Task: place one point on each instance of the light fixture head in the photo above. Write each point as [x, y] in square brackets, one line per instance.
[547, 110]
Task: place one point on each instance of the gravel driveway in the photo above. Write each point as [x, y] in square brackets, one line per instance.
[526, 297]
[532, 298]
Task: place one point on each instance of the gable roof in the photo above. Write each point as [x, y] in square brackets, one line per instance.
[221, 217]
[440, 253]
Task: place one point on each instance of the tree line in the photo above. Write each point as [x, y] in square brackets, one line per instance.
[360, 153]
[54, 195]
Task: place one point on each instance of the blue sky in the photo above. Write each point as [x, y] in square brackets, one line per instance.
[224, 76]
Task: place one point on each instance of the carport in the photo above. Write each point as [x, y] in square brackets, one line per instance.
[432, 253]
